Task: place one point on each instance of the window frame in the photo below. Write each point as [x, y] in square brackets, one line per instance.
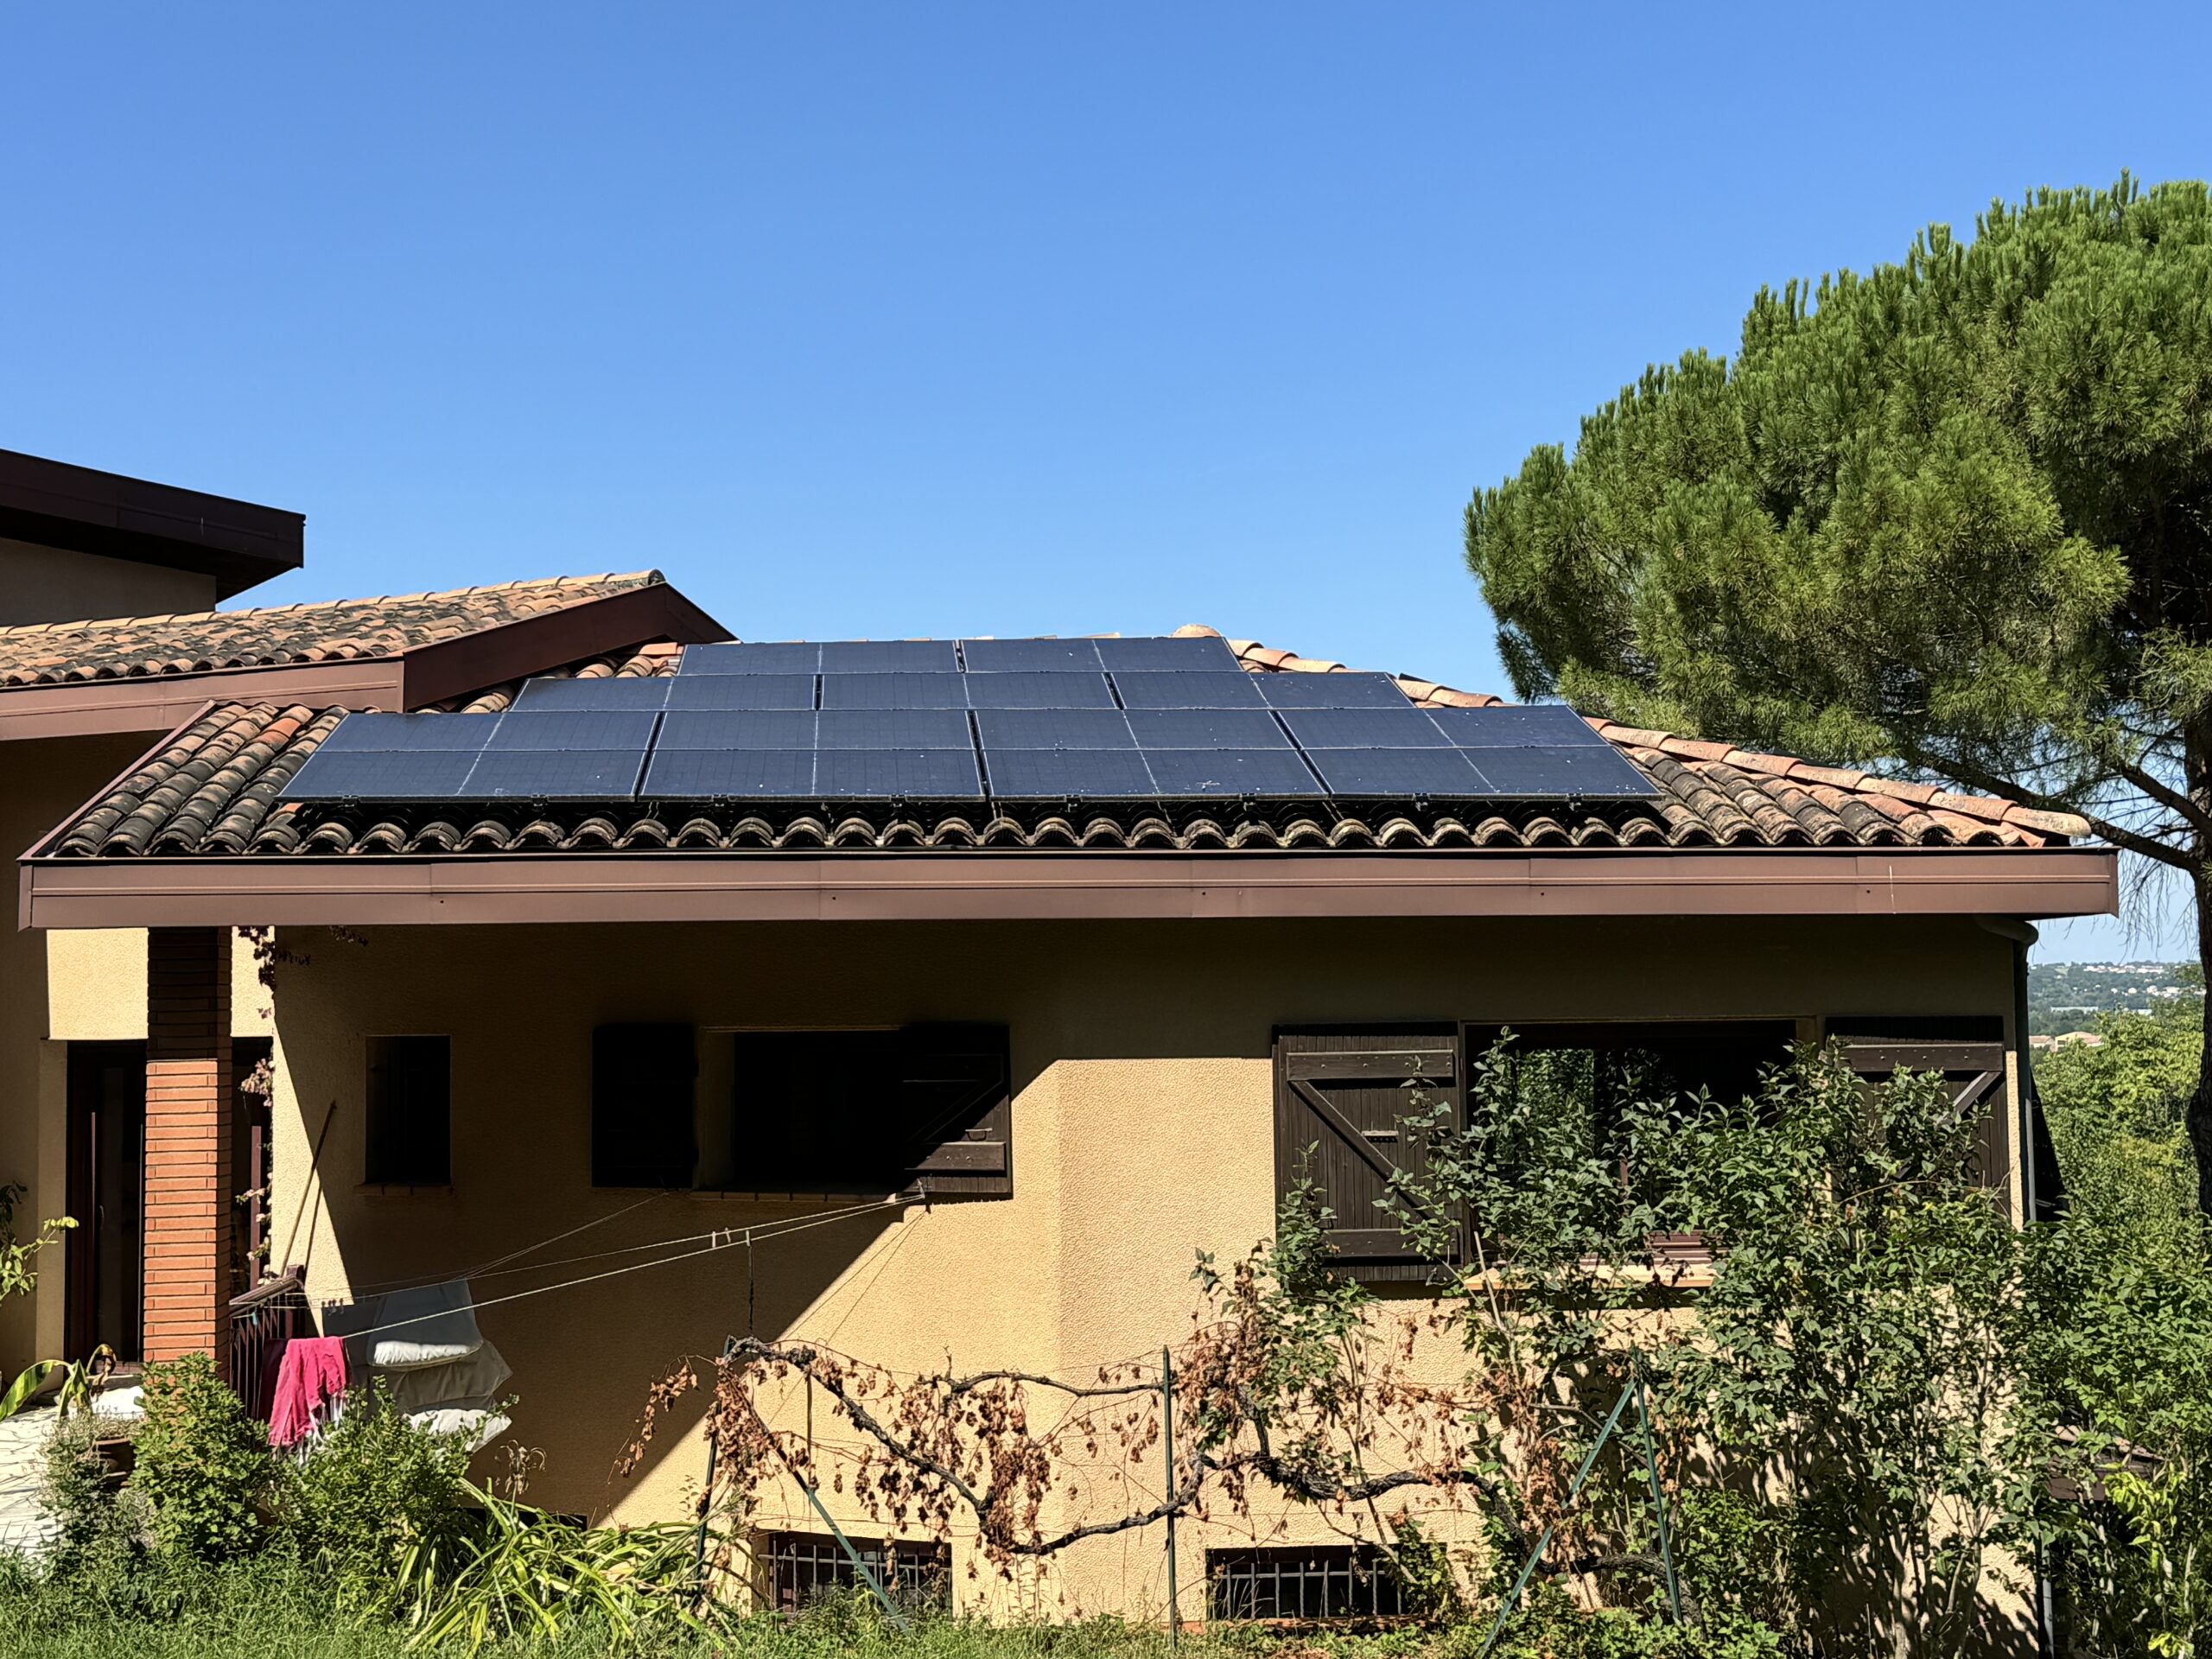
[1357, 1564]
[795, 1566]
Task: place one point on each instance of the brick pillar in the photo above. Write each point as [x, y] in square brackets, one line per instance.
[189, 1109]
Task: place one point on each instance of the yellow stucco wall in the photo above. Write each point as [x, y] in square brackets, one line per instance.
[1142, 1131]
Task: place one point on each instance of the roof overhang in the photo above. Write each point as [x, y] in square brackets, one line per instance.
[82, 510]
[410, 679]
[682, 887]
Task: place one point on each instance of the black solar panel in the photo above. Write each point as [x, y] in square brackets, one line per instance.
[1398, 771]
[733, 691]
[381, 774]
[890, 657]
[1599, 772]
[1054, 729]
[1147, 690]
[894, 692]
[894, 728]
[1272, 773]
[757, 728]
[1206, 728]
[409, 732]
[594, 693]
[575, 729]
[1039, 691]
[1546, 726]
[793, 657]
[1201, 655]
[1295, 690]
[700, 774]
[1029, 656]
[1363, 729]
[549, 774]
[1058, 774]
[919, 774]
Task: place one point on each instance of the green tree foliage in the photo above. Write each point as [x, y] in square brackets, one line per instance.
[202, 1466]
[1953, 515]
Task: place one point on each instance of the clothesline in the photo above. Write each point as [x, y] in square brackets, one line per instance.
[719, 1239]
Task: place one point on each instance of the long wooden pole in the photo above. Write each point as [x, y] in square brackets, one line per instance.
[1167, 1436]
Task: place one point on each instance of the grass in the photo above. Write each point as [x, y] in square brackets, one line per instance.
[273, 1609]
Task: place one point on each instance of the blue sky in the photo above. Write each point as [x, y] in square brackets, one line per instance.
[879, 320]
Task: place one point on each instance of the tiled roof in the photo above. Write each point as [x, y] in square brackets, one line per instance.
[212, 791]
[49, 653]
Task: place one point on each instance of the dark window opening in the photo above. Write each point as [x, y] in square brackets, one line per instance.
[644, 1082]
[804, 1568]
[410, 1111]
[1967, 1050]
[1315, 1583]
[924, 1108]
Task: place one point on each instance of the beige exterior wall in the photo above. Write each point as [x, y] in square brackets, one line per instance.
[1143, 1134]
[51, 584]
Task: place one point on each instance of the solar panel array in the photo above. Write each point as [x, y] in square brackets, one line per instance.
[1018, 721]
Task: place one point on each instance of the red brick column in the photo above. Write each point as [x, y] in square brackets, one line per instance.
[188, 1115]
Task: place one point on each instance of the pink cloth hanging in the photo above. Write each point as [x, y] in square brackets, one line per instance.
[311, 1377]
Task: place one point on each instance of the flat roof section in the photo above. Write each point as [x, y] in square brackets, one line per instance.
[82, 510]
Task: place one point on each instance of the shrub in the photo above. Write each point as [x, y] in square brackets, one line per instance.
[204, 1467]
[375, 1488]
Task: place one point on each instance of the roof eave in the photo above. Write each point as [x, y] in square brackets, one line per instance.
[410, 679]
[2027, 883]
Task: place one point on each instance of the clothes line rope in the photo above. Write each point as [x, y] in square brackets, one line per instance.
[722, 1239]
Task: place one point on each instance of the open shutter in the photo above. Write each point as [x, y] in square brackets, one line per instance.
[956, 1086]
[1344, 1092]
[1974, 1072]
[642, 1130]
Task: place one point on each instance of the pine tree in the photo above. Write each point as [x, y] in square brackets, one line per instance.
[1952, 517]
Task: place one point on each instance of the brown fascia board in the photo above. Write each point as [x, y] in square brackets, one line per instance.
[411, 679]
[663, 888]
[83, 510]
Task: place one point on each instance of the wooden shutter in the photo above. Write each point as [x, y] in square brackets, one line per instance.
[1974, 1072]
[955, 1088]
[1344, 1092]
[643, 1132]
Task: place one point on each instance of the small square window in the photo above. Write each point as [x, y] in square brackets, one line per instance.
[410, 1111]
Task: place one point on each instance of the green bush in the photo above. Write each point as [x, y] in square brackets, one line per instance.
[203, 1466]
[375, 1488]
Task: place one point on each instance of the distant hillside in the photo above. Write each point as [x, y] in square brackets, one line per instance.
[2070, 995]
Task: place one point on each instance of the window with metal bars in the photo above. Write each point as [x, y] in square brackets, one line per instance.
[1302, 1582]
[805, 1566]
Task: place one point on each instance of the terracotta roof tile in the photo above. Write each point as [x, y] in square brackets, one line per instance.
[46, 654]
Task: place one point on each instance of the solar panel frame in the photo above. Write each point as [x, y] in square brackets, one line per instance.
[1054, 729]
[381, 774]
[1020, 688]
[408, 734]
[1207, 728]
[737, 728]
[1068, 774]
[1030, 656]
[731, 693]
[1543, 726]
[894, 692]
[895, 774]
[556, 774]
[1363, 729]
[1386, 774]
[893, 728]
[1295, 690]
[714, 774]
[1143, 688]
[1162, 654]
[574, 729]
[1272, 774]
[890, 657]
[760, 656]
[1560, 775]
[635, 692]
